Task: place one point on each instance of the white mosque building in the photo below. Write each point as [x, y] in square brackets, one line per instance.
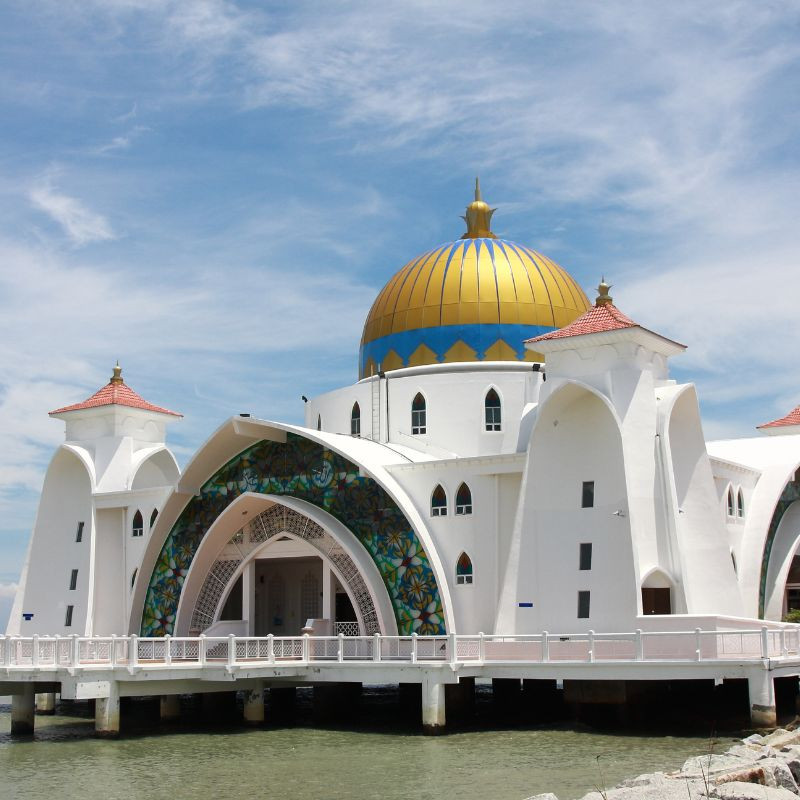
[513, 458]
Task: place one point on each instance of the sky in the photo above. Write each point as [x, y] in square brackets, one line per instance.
[214, 191]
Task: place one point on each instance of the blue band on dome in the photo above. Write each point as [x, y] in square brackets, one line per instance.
[480, 337]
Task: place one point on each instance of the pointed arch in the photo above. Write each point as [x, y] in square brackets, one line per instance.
[153, 518]
[439, 501]
[492, 410]
[355, 420]
[464, 569]
[731, 505]
[463, 500]
[740, 503]
[419, 415]
[137, 527]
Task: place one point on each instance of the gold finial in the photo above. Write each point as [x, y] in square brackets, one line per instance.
[603, 297]
[478, 217]
[117, 376]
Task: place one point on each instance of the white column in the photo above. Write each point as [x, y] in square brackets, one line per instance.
[249, 596]
[46, 703]
[433, 716]
[23, 707]
[762, 698]
[106, 712]
[328, 594]
[254, 706]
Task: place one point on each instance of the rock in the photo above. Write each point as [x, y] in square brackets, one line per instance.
[755, 738]
[746, 775]
[781, 738]
[778, 773]
[750, 791]
[712, 765]
[545, 796]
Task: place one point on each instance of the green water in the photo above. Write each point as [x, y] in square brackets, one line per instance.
[294, 760]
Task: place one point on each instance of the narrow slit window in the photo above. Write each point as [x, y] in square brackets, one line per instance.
[463, 500]
[153, 518]
[464, 569]
[438, 502]
[740, 504]
[138, 524]
[133, 577]
[73, 580]
[583, 605]
[587, 495]
[355, 420]
[68, 618]
[492, 411]
[419, 416]
[79, 533]
[319, 422]
[586, 555]
[731, 509]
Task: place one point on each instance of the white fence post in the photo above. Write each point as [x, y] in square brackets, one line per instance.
[7, 654]
[376, 647]
[35, 651]
[340, 651]
[306, 647]
[639, 645]
[167, 649]
[413, 648]
[201, 650]
[231, 650]
[133, 652]
[698, 644]
[113, 650]
[764, 642]
[271, 648]
[76, 650]
[545, 646]
[481, 647]
[591, 646]
[784, 650]
[453, 644]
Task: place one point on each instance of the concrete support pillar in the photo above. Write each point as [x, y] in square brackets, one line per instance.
[433, 708]
[254, 706]
[169, 707]
[249, 596]
[46, 703]
[762, 699]
[106, 712]
[23, 707]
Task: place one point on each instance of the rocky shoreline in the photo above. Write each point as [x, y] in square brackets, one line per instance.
[758, 768]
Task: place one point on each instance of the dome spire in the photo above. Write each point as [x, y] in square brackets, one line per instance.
[116, 376]
[603, 297]
[478, 217]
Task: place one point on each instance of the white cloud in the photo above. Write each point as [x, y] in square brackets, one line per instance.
[81, 225]
[124, 141]
[8, 589]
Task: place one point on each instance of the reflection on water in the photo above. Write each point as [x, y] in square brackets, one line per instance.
[374, 756]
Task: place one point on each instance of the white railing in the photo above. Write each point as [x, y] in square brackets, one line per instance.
[132, 652]
[347, 628]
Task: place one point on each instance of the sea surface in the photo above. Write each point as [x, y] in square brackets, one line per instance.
[373, 753]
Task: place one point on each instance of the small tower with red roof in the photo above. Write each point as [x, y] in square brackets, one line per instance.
[100, 501]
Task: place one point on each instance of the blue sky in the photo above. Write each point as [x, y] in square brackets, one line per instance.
[214, 192]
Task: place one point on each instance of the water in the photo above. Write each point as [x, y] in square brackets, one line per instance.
[384, 758]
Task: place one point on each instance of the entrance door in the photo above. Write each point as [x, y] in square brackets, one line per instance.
[656, 601]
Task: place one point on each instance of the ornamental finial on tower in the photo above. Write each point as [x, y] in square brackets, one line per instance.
[116, 377]
[478, 217]
[603, 297]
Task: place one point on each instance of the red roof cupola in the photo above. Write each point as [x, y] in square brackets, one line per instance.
[115, 393]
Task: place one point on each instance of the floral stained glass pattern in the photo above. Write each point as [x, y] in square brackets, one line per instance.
[304, 469]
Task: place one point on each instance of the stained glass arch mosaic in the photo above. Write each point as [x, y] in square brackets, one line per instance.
[304, 469]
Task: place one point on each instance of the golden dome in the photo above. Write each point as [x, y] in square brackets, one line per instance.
[478, 298]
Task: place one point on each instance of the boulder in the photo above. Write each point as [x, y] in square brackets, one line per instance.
[738, 790]
[781, 738]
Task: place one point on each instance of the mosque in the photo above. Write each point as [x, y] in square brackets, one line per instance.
[513, 458]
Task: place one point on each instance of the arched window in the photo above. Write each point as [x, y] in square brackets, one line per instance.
[319, 422]
[438, 502]
[419, 423]
[355, 420]
[463, 500]
[138, 524]
[731, 508]
[740, 504]
[153, 518]
[493, 413]
[464, 569]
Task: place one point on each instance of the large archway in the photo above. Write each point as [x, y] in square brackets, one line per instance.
[780, 546]
[305, 470]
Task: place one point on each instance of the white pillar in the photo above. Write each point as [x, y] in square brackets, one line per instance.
[762, 698]
[254, 706]
[106, 712]
[23, 707]
[46, 703]
[170, 707]
[433, 716]
[328, 594]
[249, 596]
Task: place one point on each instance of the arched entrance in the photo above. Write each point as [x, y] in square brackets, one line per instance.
[276, 572]
[780, 546]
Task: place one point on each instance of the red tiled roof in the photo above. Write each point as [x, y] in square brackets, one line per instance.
[597, 319]
[116, 393]
[792, 418]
